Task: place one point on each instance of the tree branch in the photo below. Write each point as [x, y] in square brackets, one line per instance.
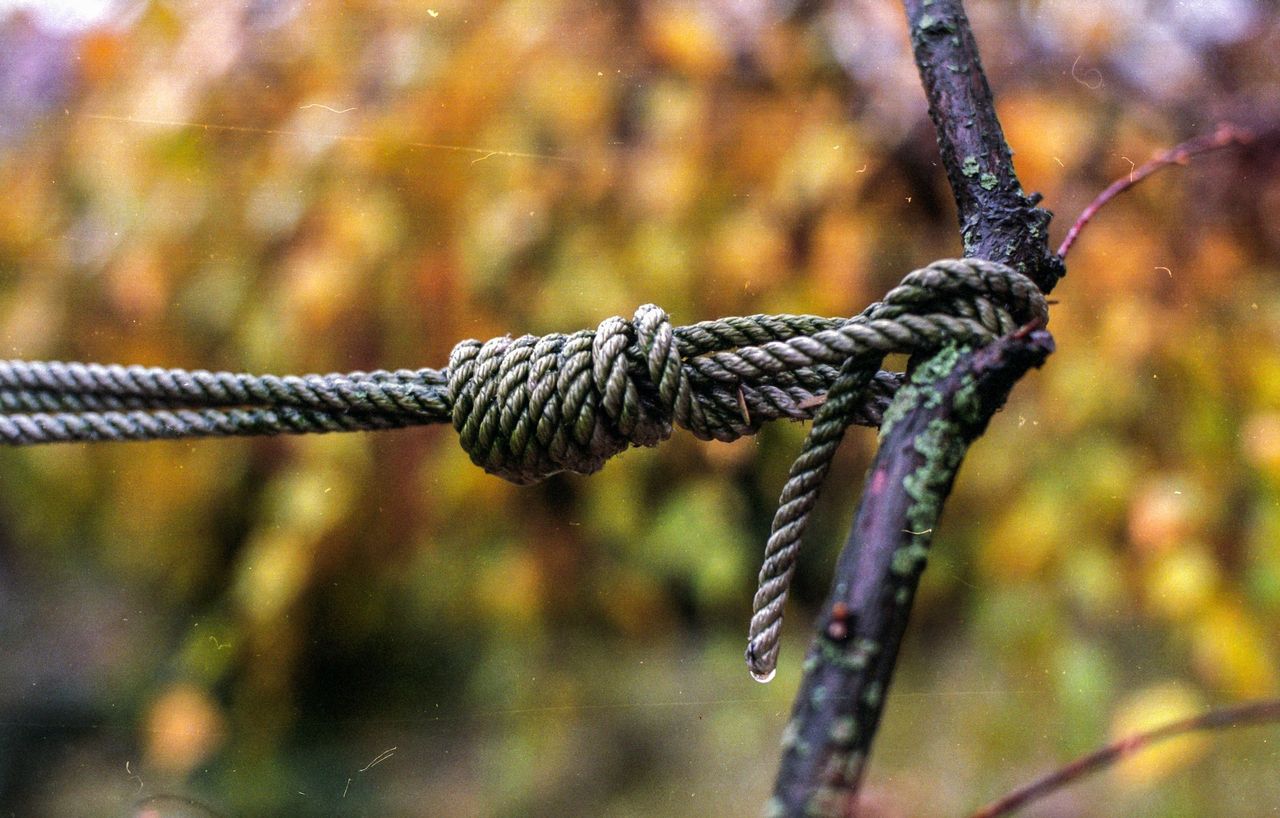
[1224, 136]
[997, 220]
[1266, 711]
[925, 435]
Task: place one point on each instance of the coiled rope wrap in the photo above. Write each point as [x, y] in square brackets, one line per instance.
[952, 301]
[528, 407]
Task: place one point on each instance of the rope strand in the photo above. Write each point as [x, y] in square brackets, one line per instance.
[528, 407]
[951, 301]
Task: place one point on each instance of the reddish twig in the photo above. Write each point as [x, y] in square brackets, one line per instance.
[1226, 135]
[1241, 715]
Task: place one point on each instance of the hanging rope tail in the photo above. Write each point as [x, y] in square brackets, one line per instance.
[525, 408]
[965, 301]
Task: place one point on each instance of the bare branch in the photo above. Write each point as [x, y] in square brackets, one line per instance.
[850, 665]
[1250, 713]
[998, 221]
[1225, 136]
[948, 404]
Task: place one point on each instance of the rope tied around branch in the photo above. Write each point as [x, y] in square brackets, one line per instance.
[528, 407]
[952, 301]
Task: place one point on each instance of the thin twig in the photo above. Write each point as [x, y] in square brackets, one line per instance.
[1226, 135]
[1241, 715]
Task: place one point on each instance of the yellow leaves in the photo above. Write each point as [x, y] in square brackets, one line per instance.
[1146, 710]
[318, 286]
[503, 229]
[839, 262]
[302, 507]
[22, 229]
[1182, 582]
[1165, 513]
[511, 588]
[581, 290]
[31, 315]
[634, 603]
[748, 252]
[1218, 264]
[310, 501]
[571, 95]
[689, 180]
[1082, 391]
[368, 225]
[138, 283]
[1232, 652]
[184, 726]
[1101, 471]
[1128, 329]
[274, 572]
[1025, 538]
[686, 41]
[325, 275]
[456, 489]
[661, 258]
[756, 151]
[1260, 441]
[1116, 258]
[99, 55]
[666, 184]
[1094, 578]
[1179, 584]
[1048, 136]
[674, 115]
[1263, 368]
[826, 161]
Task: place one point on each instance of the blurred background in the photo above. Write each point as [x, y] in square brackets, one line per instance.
[367, 624]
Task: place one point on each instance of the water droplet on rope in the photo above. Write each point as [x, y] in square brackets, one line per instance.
[764, 678]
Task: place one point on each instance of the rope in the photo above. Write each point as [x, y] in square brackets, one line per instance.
[528, 407]
[48, 402]
[969, 301]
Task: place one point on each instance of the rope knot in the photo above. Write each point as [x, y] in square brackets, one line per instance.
[529, 407]
[526, 408]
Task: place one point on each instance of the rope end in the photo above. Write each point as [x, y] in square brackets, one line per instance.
[762, 667]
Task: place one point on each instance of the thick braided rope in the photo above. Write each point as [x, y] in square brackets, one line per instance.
[528, 407]
[46, 402]
[967, 301]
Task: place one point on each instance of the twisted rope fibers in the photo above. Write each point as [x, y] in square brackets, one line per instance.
[965, 301]
[528, 407]
[48, 402]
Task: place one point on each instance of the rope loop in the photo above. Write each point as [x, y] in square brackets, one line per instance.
[951, 301]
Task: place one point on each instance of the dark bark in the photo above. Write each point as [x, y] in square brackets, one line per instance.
[997, 220]
[952, 397]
